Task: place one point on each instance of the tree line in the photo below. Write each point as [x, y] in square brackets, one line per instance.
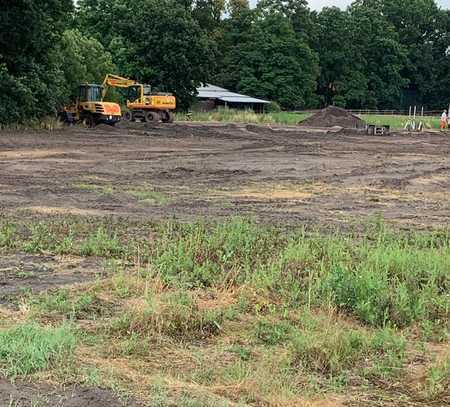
[385, 54]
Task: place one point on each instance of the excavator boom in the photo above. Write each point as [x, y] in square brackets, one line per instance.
[116, 81]
[142, 105]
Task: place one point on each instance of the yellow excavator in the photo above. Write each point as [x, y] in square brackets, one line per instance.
[90, 108]
[142, 102]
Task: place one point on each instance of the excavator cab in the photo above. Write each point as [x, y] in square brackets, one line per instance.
[90, 93]
[134, 93]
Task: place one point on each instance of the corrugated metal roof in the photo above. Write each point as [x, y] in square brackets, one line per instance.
[216, 92]
[242, 99]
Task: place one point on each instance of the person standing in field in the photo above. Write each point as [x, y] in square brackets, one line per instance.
[444, 118]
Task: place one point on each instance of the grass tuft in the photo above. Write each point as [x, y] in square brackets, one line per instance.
[29, 348]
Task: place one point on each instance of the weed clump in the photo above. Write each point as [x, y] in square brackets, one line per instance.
[335, 351]
[225, 254]
[438, 378]
[101, 243]
[28, 348]
[176, 315]
[272, 332]
[63, 303]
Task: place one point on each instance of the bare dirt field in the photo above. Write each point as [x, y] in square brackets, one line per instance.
[27, 394]
[187, 171]
[135, 174]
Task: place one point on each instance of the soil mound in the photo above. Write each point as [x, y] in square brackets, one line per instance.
[334, 116]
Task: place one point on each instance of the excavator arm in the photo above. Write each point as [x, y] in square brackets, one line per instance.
[115, 81]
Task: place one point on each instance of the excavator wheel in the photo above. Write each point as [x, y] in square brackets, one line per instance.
[152, 117]
[167, 116]
[89, 121]
[127, 116]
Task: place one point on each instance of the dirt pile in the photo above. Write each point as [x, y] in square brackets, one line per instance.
[334, 116]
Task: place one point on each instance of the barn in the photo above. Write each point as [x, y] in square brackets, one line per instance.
[210, 97]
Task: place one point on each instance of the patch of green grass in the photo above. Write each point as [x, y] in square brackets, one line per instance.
[107, 190]
[275, 312]
[245, 116]
[85, 186]
[333, 351]
[24, 274]
[49, 123]
[101, 243]
[64, 303]
[290, 118]
[92, 377]
[273, 332]
[381, 276]
[29, 348]
[149, 196]
[160, 397]
[198, 256]
[243, 352]
[8, 235]
[399, 121]
[177, 316]
[438, 378]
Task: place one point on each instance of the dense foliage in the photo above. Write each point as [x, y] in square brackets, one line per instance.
[374, 54]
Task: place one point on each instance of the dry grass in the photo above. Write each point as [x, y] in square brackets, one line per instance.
[275, 336]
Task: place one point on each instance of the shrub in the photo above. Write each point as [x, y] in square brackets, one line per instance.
[273, 107]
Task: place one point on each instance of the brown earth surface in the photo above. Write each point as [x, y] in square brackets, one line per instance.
[22, 394]
[290, 175]
[21, 273]
[187, 171]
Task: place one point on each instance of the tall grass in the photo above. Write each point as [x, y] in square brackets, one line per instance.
[380, 276]
[244, 116]
[273, 312]
[29, 348]
[50, 123]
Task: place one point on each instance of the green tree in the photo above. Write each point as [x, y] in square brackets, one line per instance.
[83, 59]
[298, 14]
[31, 81]
[208, 13]
[441, 93]
[264, 57]
[361, 57]
[377, 44]
[158, 42]
[423, 31]
[340, 81]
